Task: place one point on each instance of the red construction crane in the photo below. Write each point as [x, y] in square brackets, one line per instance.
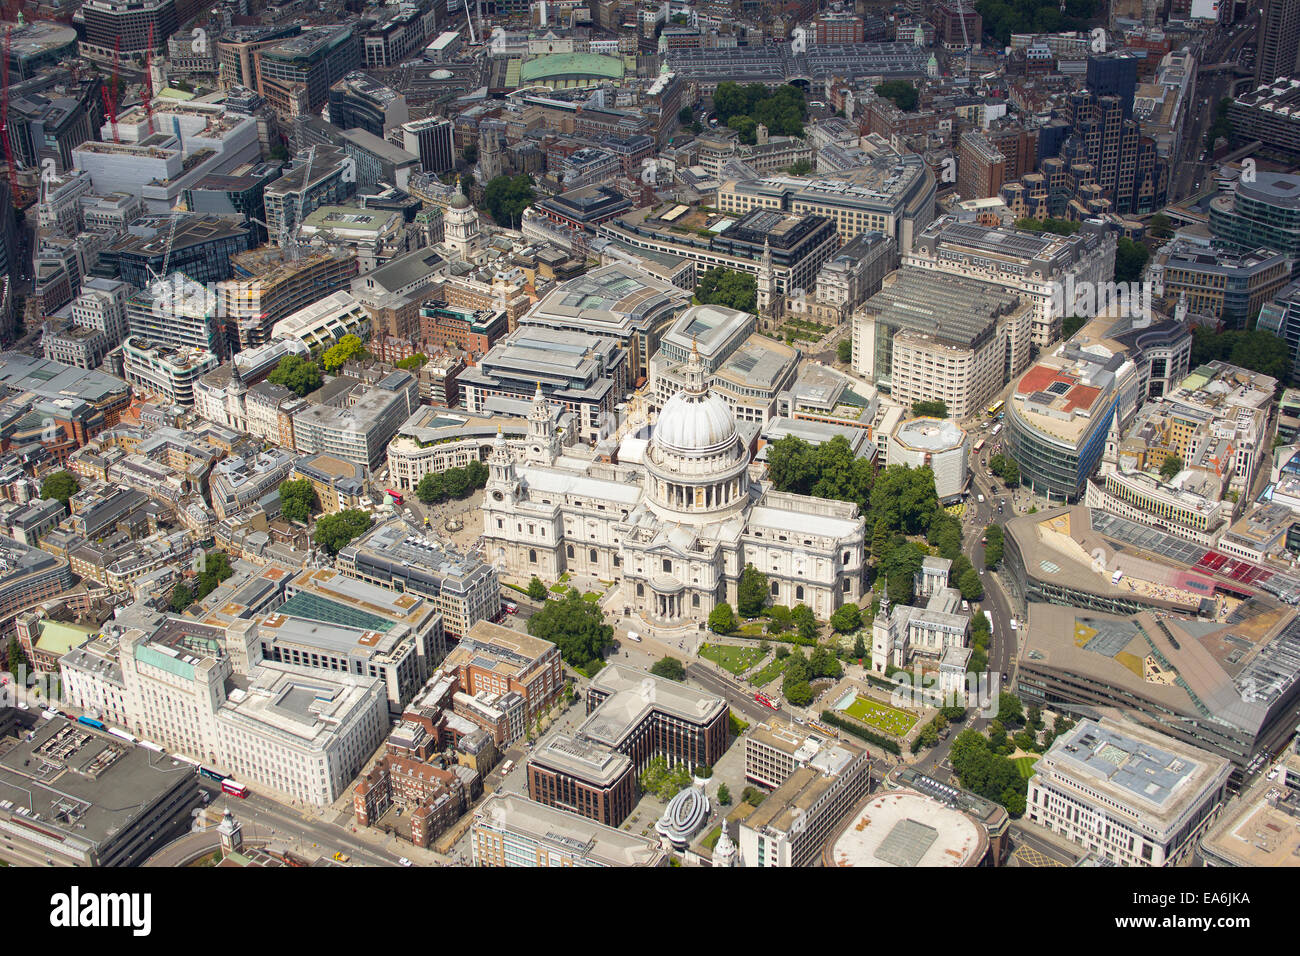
[146, 93]
[110, 93]
[4, 121]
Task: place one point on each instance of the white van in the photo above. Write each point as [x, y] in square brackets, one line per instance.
[1013, 624]
[980, 498]
[634, 637]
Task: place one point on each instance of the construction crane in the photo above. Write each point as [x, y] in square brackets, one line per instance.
[146, 93]
[4, 122]
[109, 93]
[965, 38]
[289, 238]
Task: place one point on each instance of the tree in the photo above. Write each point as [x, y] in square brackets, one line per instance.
[724, 795]
[1010, 710]
[753, 796]
[576, 627]
[1160, 227]
[1130, 259]
[859, 647]
[663, 781]
[670, 668]
[844, 351]
[822, 663]
[214, 568]
[506, 198]
[470, 154]
[343, 351]
[992, 545]
[1072, 324]
[298, 500]
[1059, 227]
[751, 593]
[935, 409]
[412, 363]
[537, 589]
[182, 597]
[736, 290]
[297, 374]
[846, 619]
[905, 498]
[1257, 351]
[61, 485]
[335, 532]
[1171, 466]
[16, 658]
[800, 168]
[722, 620]
[805, 622]
[684, 115]
[798, 693]
[970, 585]
[901, 92]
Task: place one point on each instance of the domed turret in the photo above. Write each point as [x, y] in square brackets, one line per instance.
[696, 463]
[695, 420]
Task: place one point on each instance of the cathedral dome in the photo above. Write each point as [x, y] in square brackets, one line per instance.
[695, 422]
[459, 201]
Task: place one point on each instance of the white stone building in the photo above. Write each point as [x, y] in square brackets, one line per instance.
[901, 634]
[675, 522]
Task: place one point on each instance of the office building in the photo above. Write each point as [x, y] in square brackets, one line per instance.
[358, 432]
[1281, 316]
[198, 690]
[1131, 796]
[295, 74]
[78, 797]
[431, 140]
[319, 175]
[1060, 413]
[198, 246]
[1264, 212]
[337, 623]
[323, 322]
[28, 575]
[1277, 51]
[1174, 674]
[893, 194]
[981, 167]
[1113, 73]
[496, 661]
[792, 824]
[930, 337]
[167, 372]
[585, 374]
[748, 371]
[464, 588]
[1270, 116]
[618, 302]
[905, 828]
[776, 749]
[267, 286]
[510, 830]
[359, 101]
[125, 28]
[1227, 287]
[934, 443]
[1035, 265]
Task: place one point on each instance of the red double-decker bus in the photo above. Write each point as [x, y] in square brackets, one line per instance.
[767, 701]
[234, 789]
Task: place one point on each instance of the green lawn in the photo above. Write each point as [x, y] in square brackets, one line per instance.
[591, 596]
[881, 716]
[1026, 766]
[735, 659]
[775, 667]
